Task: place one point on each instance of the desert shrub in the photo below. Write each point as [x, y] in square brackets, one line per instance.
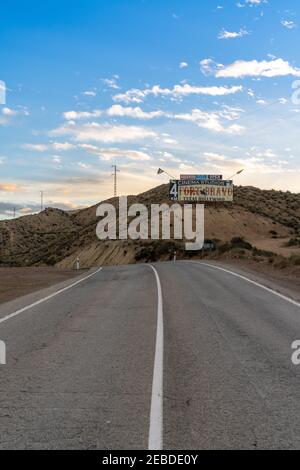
[239, 242]
[51, 261]
[293, 242]
[156, 250]
[295, 260]
[267, 254]
[224, 248]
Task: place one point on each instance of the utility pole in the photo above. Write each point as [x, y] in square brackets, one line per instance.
[42, 201]
[115, 169]
[14, 212]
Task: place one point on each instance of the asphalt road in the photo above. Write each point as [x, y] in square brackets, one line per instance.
[93, 368]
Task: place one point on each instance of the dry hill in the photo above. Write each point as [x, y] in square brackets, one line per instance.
[257, 223]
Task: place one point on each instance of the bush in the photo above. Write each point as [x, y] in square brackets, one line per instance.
[157, 250]
[224, 248]
[239, 242]
[293, 242]
[267, 254]
[295, 260]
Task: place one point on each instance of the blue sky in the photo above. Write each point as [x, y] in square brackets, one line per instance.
[188, 86]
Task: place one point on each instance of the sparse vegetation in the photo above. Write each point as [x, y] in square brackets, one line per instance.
[293, 242]
[282, 207]
[57, 237]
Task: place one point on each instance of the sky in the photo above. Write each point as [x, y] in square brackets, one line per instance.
[186, 85]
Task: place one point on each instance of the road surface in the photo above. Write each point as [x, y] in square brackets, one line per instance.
[107, 364]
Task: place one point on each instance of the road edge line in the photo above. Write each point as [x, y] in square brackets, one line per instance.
[44, 299]
[268, 289]
[155, 441]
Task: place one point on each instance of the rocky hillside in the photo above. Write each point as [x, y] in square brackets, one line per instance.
[267, 220]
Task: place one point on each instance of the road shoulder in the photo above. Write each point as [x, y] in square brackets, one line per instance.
[32, 297]
[272, 280]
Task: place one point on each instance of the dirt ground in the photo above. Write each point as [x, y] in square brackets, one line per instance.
[15, 282]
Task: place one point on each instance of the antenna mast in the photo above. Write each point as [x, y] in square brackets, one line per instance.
[115, 169]
[42, 201]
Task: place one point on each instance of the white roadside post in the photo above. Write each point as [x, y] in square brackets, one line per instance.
[77, 263]
[2, 353]
[175, 255]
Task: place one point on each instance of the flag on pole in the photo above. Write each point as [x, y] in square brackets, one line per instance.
[160, 171]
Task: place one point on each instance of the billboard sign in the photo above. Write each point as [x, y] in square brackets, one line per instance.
[201, 191]
[201, 177]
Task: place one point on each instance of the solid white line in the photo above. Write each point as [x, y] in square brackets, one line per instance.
[294, 302]
[156, 413]
[21, 310]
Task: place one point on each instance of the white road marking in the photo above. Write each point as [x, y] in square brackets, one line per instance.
[156, 413]
[21, 310]
[294, 302]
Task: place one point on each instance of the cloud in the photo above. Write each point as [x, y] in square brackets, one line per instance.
[114, 111]
[183, 65]
[178, 91]
[251, 3]
[9, 187]
[59, 146]
[89, 93]
[85, 166]
[208, 66]
[111, 153]
[62, 146]
[111, 82]
[106, 133]
[77, 115]
[14, 112]
[7, 208]
[213, 120]
[233, 34]
[288, 24]
[120, 111]
[36, 147]
[261, 102]
[8, 114]
[254, 68]
[56, 159]
[255, 165]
